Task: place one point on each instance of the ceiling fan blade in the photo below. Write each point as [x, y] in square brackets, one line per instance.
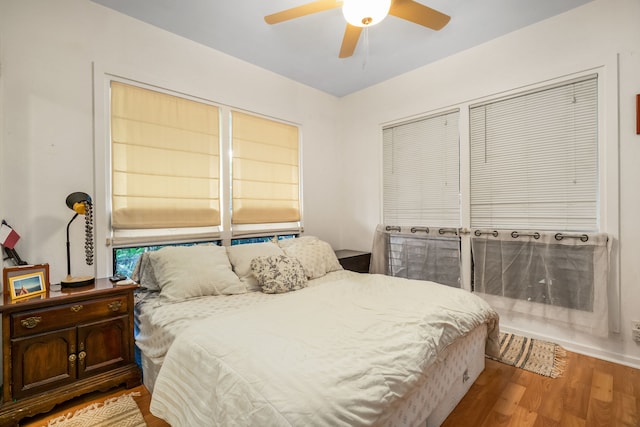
[350, 40]
[419, 14]
[303, 10]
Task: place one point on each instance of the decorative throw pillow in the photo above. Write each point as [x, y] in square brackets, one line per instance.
[184, 272]
[241, 256]
[316, 256]
[278, 273]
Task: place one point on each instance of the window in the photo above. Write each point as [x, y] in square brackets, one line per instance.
[534, 159]
[534, 169]
[126, 258]
[165, 160]
[532, 203]
[422, 172]
[421, 191]
[175, 180]
[265, 171]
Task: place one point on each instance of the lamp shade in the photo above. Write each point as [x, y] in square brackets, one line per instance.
[76, 202]
[364, 13]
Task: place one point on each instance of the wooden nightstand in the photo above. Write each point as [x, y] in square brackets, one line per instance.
[63, 344]
[357, 261]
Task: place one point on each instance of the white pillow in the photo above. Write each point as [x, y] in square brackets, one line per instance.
[277, 274]
[185, 272]
[316, 256]
[143, 273]
[285, 243]
[241, 257]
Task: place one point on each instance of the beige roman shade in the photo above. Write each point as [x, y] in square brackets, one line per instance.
[165, 160]
[265, 171]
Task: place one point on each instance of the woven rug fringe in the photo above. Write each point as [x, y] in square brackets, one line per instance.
[539, 356]
[559, 362]
[62, 418]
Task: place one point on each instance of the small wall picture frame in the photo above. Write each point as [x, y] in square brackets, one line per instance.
[27, 281]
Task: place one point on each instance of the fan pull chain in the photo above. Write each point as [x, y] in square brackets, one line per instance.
[366, 47]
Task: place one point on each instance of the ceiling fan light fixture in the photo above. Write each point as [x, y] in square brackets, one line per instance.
[365, 13]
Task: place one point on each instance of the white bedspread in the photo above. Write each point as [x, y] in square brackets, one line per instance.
[336, 354]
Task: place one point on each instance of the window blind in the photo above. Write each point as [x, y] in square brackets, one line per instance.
[421, 172]
[534, 160]
[165, 160]
[265, 171]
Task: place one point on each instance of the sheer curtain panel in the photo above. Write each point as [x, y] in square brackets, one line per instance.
[558, 276]
[422, 253]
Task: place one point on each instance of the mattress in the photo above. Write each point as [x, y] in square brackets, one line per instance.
[446, 382]
[391, 356]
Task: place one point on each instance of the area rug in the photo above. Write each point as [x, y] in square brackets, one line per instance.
[542, 357]
[121, 411]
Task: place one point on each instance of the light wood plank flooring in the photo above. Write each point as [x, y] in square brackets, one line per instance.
[592, 393]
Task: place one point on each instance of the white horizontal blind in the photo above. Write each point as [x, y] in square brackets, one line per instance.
[534, 160]
[421, 172]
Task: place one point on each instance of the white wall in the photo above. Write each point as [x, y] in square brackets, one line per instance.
[47, 53]
[603, 33]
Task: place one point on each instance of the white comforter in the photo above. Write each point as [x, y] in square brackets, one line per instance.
[336, 354]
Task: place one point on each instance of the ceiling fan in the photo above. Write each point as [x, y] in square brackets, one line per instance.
[364, 13]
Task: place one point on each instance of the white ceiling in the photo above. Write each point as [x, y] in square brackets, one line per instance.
[306, 49]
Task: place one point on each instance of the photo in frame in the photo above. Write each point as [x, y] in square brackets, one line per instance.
[25, 281]
[27, 285]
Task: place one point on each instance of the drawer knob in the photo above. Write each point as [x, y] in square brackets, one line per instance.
[76, 308]
[81, 356]
[72, 360]
[31, 322]
[115, 306]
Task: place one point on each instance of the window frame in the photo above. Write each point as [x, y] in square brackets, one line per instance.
[608, 153]
[104, 254]
[445, 113]
[235, 231]
[608, 185]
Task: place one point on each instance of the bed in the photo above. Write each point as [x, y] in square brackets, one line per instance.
[278, 334]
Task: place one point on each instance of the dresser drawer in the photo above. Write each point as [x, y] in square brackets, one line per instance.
[48, 319]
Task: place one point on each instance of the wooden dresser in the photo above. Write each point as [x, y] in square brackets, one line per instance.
[63, 344]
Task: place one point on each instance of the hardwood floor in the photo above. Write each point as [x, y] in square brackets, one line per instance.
[591, 393]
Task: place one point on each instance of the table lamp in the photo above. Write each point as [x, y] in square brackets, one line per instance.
[81, 204]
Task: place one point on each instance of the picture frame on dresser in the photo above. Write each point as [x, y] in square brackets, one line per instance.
[27, 285]
[34, 279]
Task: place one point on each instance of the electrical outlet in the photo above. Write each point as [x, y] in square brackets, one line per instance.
[635, 330]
